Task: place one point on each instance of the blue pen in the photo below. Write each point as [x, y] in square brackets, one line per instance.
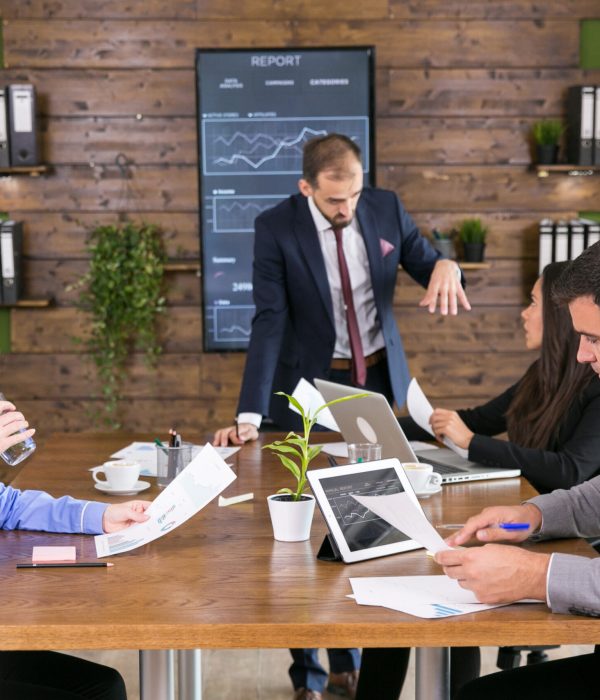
[503, 526]
[514, 526]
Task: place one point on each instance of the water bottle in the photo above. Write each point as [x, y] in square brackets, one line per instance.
[17, 453]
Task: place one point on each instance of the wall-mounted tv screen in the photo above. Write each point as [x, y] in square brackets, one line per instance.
[256, 110]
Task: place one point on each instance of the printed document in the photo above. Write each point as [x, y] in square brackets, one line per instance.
[398, 510]
[423, 596]
[311, 400]
[420, 410]
[202, 480]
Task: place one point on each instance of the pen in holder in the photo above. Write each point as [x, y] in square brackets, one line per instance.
[170, 461]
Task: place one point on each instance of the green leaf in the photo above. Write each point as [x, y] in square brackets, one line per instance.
[293, 401]
[340, 400]
[314, 451]
[288, 464]
[289, 492]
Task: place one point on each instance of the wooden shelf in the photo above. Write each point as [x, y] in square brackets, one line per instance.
[565, 169]
[182, 267]
[474, 266]
[32, 170]
[29, 304]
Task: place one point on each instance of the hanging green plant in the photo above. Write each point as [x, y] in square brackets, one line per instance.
[123, 293]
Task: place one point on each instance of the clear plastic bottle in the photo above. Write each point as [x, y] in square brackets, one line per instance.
[17, 453]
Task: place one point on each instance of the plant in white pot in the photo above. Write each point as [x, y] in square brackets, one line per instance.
[292, 510]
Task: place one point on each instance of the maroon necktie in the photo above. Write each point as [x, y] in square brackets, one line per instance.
[359, 369]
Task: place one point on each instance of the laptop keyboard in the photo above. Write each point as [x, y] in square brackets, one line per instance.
[444, 468]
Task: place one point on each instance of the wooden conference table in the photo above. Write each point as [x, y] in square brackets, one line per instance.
[222, 581]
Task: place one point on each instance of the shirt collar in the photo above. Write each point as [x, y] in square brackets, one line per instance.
[320, 221]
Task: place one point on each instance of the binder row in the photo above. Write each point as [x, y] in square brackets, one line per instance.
[565, 240]
[18, 128]
[11, 250]
[583, 125]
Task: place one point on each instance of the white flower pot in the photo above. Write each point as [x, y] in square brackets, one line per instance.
[291, 520]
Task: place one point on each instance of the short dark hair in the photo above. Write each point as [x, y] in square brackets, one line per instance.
[580, 279]
[328, 152]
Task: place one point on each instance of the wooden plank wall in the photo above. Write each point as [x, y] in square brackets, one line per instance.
[459, 83]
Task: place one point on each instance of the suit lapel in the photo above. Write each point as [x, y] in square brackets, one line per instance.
[370, 234]
[310, 247]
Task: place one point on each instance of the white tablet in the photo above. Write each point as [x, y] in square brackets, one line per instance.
[358, 533]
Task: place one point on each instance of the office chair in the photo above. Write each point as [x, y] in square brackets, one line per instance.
[510, 657]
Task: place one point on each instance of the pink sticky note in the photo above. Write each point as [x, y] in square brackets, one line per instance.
[42, 555]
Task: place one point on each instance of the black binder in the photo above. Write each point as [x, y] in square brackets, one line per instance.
[4, 155]
[23, 128]
[11, 247]
[580, 129]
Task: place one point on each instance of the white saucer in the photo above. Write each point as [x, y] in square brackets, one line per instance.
[137, 487]
[428, 492]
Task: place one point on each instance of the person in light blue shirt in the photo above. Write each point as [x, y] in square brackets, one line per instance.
[45, 675]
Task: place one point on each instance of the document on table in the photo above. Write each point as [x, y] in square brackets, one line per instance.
[202, 480]
[145, 454]
[420, 410]
[423, 596]
[398, 510]
[311, 400]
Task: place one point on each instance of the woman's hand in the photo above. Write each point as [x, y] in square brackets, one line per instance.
[449, 424]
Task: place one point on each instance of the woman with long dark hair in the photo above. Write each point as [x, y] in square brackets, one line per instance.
[551, 415]
[552, 419]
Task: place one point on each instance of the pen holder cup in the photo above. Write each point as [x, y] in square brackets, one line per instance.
[170, 461]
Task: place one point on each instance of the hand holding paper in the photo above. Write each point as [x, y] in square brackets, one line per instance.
[420, 411]
[203, 479]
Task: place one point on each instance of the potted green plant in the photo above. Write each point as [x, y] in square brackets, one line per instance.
[546, 135]
[473, 233]
[442, 242]
[291, 510]
[122, 294]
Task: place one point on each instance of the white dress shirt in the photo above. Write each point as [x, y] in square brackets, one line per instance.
[360, 280]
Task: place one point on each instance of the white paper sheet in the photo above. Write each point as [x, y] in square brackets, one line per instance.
[145, 454]
[311, 400]
[335, 449]
[398, 510]
[423, 596]
[201, 481]
[420, 410]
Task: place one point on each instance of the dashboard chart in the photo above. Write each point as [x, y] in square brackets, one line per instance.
[362, 529]
[256, 111]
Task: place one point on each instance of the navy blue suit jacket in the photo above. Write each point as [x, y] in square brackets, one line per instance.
[293, 332]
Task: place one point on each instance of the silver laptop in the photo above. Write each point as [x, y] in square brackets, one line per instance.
[371, 419]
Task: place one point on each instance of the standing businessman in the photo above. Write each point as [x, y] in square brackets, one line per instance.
[325, 269]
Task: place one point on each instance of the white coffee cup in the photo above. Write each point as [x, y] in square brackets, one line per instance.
[121, 474]
[422, 477]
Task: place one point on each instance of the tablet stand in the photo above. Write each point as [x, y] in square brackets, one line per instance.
[329, 550]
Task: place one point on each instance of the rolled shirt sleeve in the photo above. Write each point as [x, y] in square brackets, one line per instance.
[37, 510]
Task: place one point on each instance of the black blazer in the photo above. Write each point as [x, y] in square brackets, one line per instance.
[293, 331]
[573, 457]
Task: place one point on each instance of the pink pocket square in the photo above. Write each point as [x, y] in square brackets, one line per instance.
[386, 247]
